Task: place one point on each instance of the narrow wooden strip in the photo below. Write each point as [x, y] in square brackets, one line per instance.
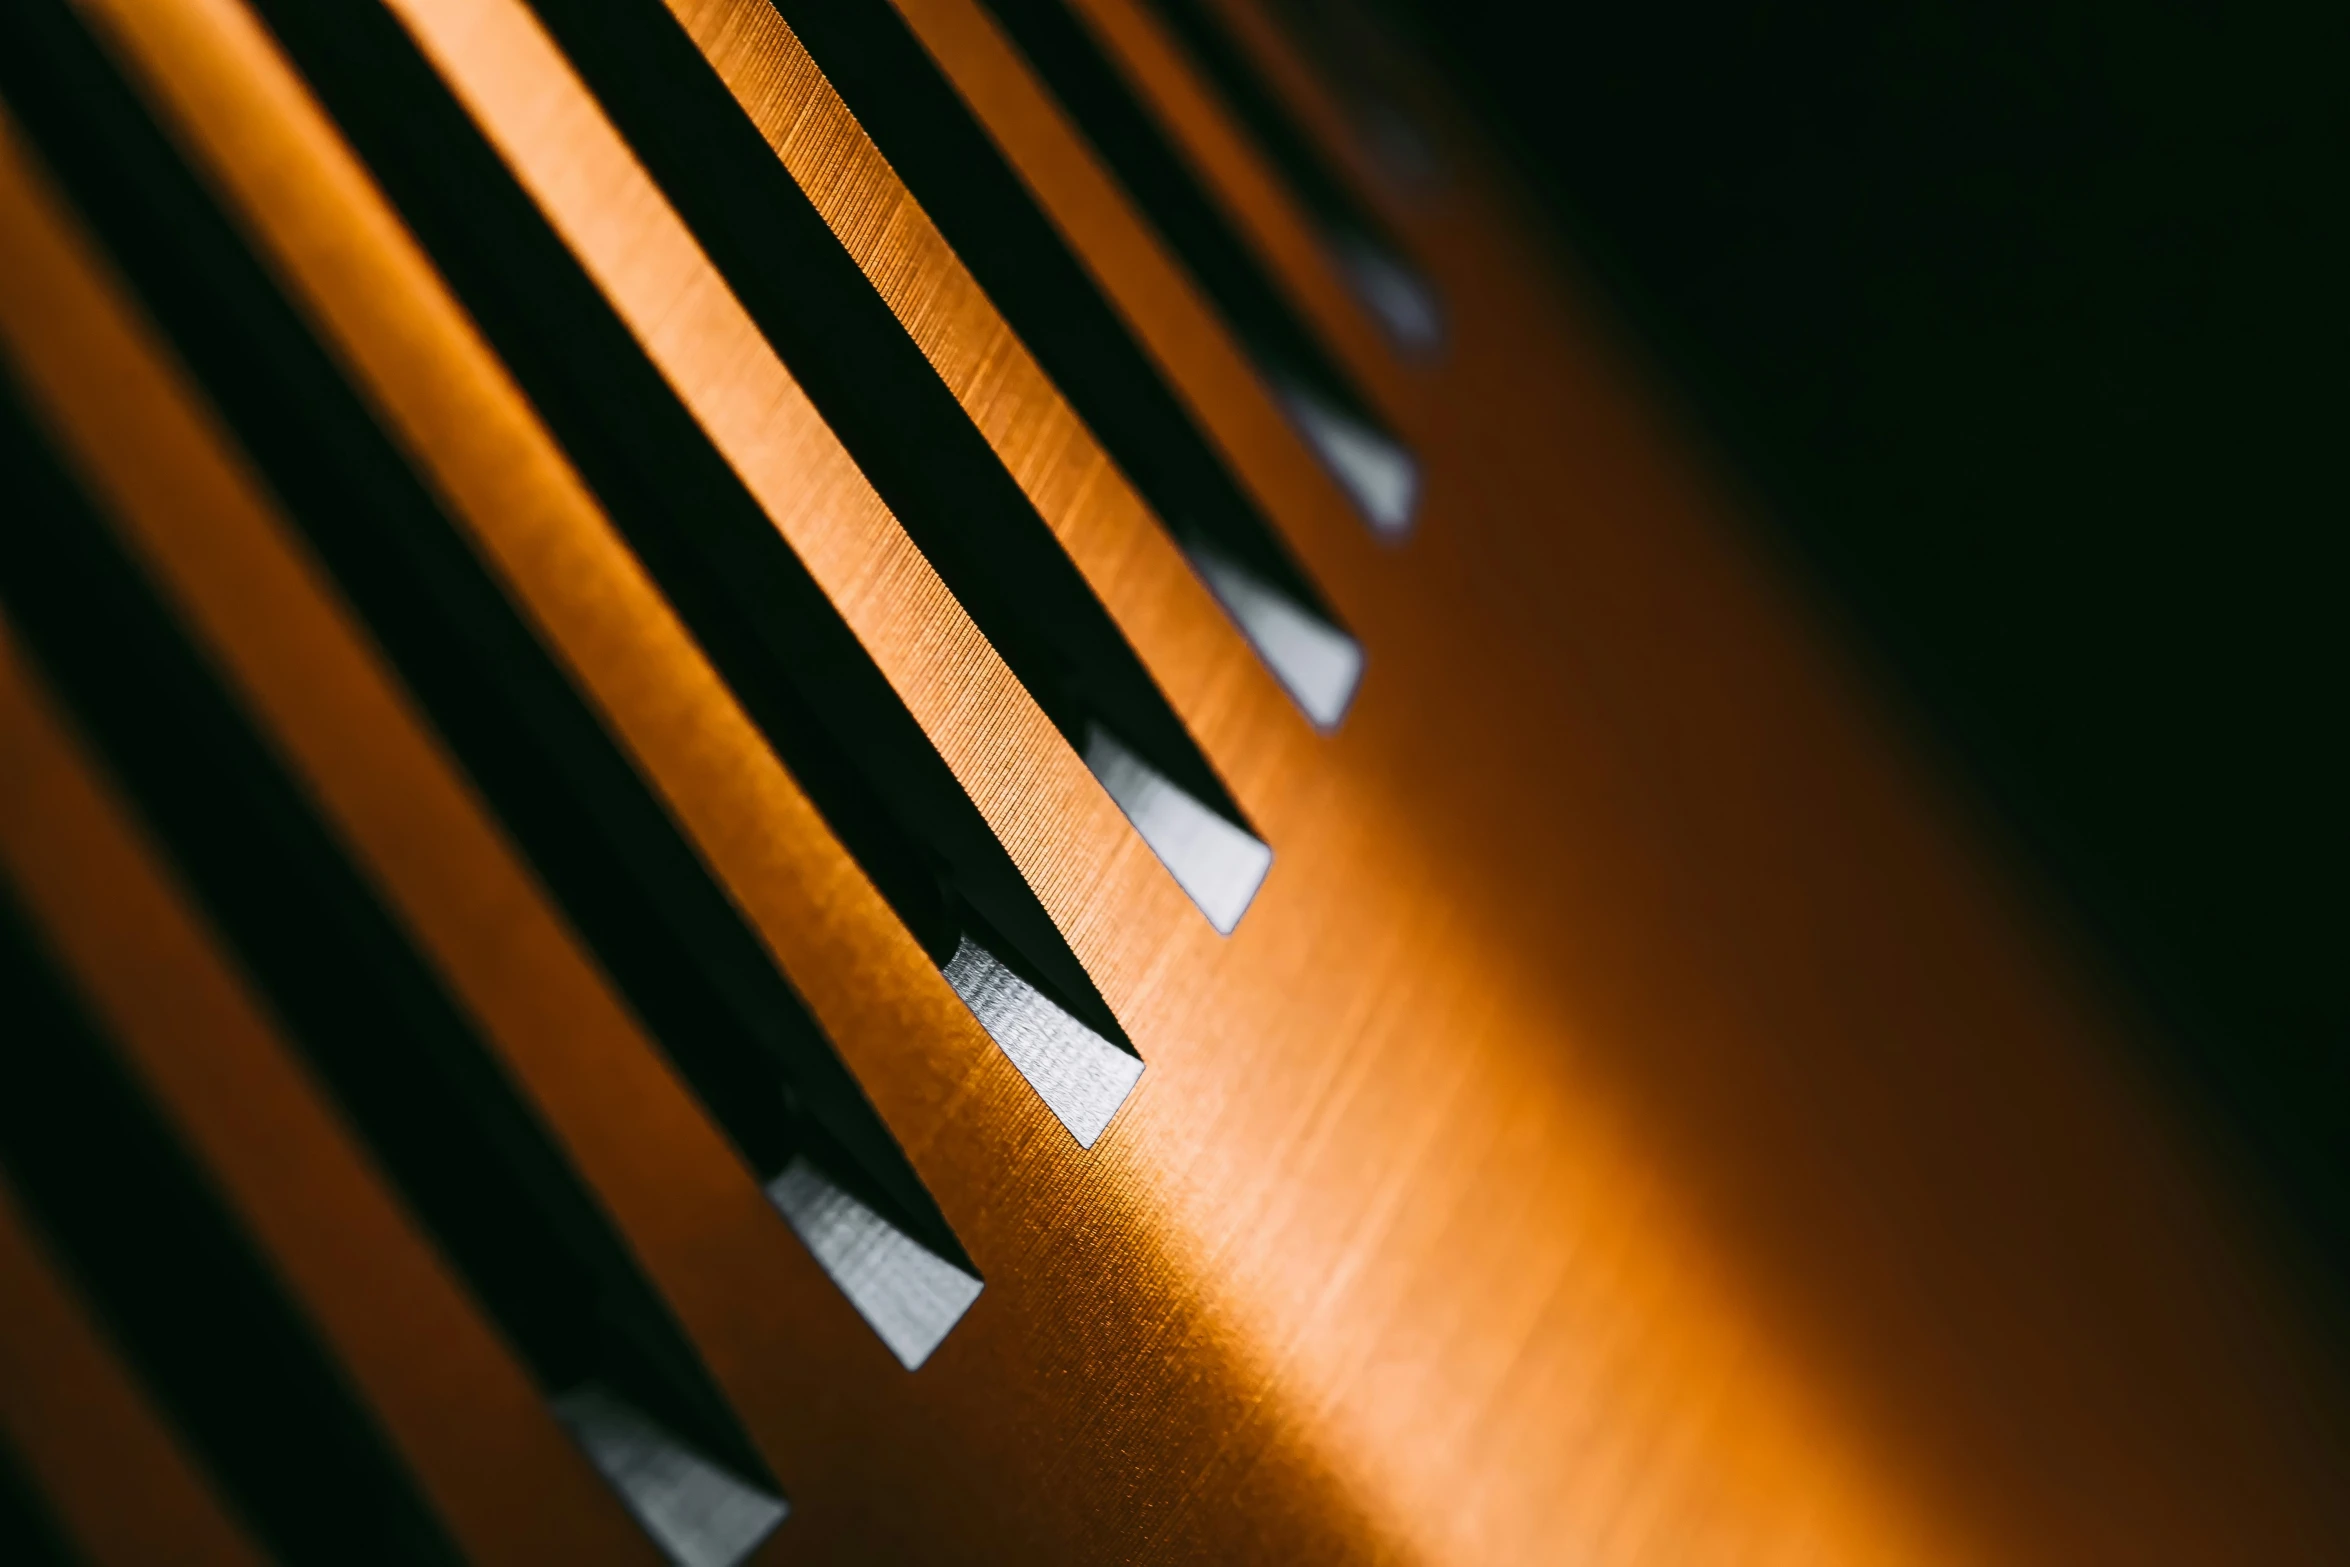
[377, 300]
[1125, 554]
[116, 1477]
[1250, 188]
[1164, 309]
[449, 1394]
[187, 508]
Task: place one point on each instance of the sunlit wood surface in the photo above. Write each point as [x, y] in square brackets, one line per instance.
[1642, 1117]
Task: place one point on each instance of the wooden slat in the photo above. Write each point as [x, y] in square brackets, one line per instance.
[1124, 552]
[1253, 192]
[1161, 305]
[464, 1414]
[1061, 830]
[455, 1404]
[114, 1473]
[454, 1401]
[414, 354]
[1635, 1125]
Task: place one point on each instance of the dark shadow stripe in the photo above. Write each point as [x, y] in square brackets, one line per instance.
[29, 1531]
[1355, 47]
[867, 378]
[602, 843]
[1062, 317]
[872, 384]
[1370, 461]
[791, 661]
[181, 1291]
[1385, 280]
[435, 1107]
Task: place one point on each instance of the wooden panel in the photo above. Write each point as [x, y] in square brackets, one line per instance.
[1892, 1113]
[1638, 1119]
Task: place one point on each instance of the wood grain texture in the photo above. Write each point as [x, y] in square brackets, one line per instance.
[450, 1395]
[1902, 1120]
[1166, 311]
[1638, 1119]
[1124, 552]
